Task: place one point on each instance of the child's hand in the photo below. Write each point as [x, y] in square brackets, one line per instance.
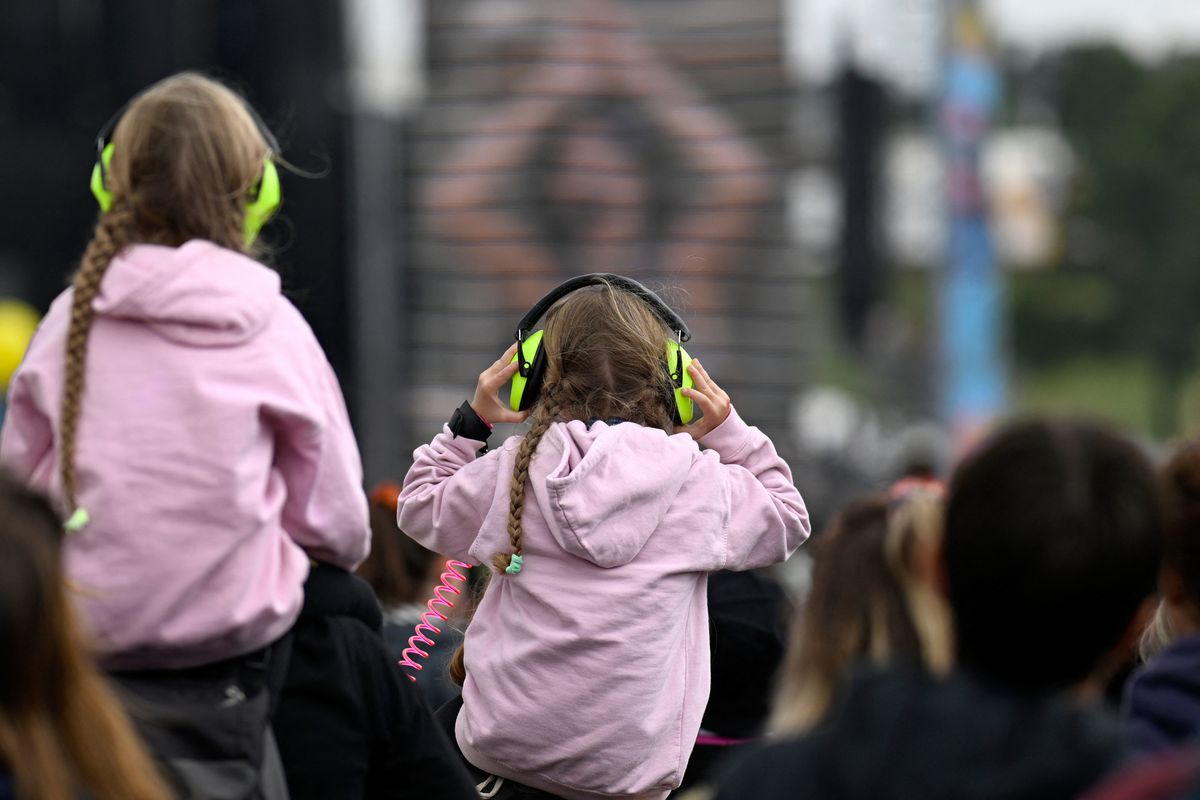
[711, 399]
[486, 402]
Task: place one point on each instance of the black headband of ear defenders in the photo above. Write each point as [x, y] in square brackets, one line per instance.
[673, 320]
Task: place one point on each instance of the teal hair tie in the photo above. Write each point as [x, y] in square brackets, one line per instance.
[514, 564]
[78, 520]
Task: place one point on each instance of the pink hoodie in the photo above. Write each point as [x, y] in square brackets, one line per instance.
[214, 450]
[588, 672]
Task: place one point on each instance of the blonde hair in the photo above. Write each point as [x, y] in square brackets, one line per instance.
[62, 730]
[872, 598]
[1158, 634]
[185, 154]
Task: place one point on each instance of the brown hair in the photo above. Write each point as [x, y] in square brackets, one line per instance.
[872, 598]
[604, 360]
[62, 731]
[1181, 550]
[185, 154]
[397, 567]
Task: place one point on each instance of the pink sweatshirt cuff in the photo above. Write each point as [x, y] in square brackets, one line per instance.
[730, 437]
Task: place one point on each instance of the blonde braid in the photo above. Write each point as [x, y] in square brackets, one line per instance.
[547, 413]
[113, 232]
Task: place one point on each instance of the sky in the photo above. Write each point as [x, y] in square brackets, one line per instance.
[899, 38]
[1150, 28]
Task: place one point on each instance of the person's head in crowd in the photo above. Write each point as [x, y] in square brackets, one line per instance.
[873, 597]
[1052, 541]
[398, 569]
[63, 734]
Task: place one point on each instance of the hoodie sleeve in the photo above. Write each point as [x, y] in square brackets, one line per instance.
[447, 493]
[326, 508]
[26, 439]
[767, 519]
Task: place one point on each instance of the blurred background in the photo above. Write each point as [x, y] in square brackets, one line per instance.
[888, 222]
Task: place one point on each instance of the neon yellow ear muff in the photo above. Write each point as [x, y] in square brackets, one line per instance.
[264, 201]
[531, 356]
[677, 367]
[264, 197]
[99, 189]
[533, 364]
[533, 360]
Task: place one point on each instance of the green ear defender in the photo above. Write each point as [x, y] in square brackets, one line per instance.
[264, 196]
[529, 350]
[103, 164]
[264, 201]
[531, 357]
[678, 362]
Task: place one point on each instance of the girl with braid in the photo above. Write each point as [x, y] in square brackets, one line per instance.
[178, 407]
[585, 669]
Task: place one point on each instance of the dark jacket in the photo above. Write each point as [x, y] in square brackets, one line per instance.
[748, 622]
[350, 724]
[1163, 699]
[902, 735]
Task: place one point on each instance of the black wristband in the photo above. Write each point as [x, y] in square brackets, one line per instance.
[466, 423]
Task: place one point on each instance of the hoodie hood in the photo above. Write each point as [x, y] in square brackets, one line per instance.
[609, 527]
[198, 293]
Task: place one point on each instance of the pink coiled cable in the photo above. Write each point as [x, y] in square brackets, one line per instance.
[435, 604]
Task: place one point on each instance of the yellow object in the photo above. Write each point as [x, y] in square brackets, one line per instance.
[78, 520]
[18, 321]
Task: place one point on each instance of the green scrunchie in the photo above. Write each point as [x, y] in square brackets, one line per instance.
[78, 520]
[514, 564]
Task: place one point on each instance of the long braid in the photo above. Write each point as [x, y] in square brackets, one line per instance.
[547, 413]
[113, 232]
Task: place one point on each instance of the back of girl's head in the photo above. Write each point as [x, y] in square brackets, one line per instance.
[605, 349]
[185, 153]
[1053, 536]
[870, 600]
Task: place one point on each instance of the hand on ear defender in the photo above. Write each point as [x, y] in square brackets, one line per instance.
[486, 401]
[711, 399]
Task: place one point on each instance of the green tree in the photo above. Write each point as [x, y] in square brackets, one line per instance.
[1136, 130]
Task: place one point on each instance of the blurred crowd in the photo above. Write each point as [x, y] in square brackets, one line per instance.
[199, 598]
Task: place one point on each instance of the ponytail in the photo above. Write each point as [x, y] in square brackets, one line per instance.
[911, 544]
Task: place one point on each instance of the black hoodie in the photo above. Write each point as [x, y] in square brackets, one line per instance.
[350, 724]
[903, 735]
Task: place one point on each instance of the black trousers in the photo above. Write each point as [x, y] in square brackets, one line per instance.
[209, 726]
